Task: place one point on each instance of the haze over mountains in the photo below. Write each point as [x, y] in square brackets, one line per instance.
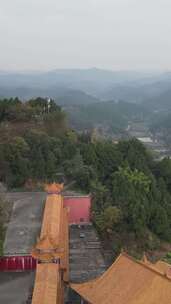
[84, 86]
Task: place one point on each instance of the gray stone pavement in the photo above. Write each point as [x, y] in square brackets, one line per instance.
[15, 288]
[25, 223]
[22, 232]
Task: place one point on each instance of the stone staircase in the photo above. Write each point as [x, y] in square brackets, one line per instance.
[86, 258]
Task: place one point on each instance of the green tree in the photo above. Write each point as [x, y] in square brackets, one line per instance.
[163, 170]
[136, 155]
[16, 154]
[108, 159]
[130, 193]
[161, 224]
[107, 220]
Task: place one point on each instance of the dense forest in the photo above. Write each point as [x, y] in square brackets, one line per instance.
[131, 193]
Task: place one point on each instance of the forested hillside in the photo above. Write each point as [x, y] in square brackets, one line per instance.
[28, 131]
[160, 103]
[161, 125]
[113, 115]
[131, 192]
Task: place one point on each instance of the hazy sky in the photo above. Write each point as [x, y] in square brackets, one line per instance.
[113, 34]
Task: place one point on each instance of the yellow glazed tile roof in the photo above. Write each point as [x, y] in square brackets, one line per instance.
[52, 218]
[52, 245]
[127, 281]
[163, 266]
[46, 282]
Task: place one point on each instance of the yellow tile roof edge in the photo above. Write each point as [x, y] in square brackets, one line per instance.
[162, 263]
[148, 266]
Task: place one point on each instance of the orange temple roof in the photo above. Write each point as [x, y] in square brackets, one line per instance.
[127, 281]
[46, 282]
[51, 219]
[52, 245]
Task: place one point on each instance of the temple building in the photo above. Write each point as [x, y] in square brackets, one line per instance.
[129, 281]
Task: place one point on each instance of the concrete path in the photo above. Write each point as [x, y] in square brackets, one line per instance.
[22, 232]
[15, 288]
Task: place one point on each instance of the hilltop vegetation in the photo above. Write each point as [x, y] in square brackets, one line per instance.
[26, 138]
[131, 192]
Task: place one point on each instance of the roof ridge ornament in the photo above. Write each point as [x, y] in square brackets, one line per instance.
[145, 259]
[54, 188]
[168, 273]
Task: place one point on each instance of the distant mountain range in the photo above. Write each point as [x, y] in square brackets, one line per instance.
[70, 77]
[78, 86]
[63, 96]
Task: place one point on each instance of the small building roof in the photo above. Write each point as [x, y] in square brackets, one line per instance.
[54, 188]
[127, 281]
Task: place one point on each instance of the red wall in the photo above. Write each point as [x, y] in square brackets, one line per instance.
[79, 209]
[17, 263]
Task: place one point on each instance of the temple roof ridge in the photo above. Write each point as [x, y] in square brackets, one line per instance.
[46, 242]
